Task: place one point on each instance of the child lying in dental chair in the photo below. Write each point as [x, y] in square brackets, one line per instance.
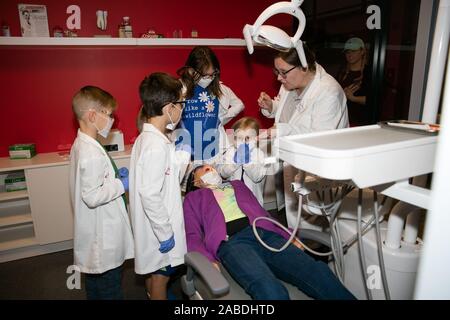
[218, 218]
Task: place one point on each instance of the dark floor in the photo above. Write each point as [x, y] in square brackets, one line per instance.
[45, 277]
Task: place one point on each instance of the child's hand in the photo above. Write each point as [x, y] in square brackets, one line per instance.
[123, 172]
[242, 155]
[167, 245]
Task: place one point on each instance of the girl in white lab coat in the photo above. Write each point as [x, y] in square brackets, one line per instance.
[155, 196]
[310, 100]
[102, 237]
[209, 106]
[244, 160]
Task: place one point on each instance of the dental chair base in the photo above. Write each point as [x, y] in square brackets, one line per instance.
[401, 264]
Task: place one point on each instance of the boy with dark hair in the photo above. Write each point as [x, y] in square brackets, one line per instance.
[156, 170]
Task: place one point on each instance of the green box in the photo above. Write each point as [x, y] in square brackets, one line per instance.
[22, 151]
[15, 182]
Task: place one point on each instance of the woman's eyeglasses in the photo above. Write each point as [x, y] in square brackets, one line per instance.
[283, 74]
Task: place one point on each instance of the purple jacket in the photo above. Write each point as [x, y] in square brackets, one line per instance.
[205, 224]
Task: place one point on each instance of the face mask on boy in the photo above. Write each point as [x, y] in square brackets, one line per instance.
[172, 125]
[105, 131]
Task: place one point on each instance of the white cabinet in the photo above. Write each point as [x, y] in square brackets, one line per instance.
[48, 191]
[39, 220]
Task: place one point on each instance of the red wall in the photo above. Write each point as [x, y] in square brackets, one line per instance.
[37, 84]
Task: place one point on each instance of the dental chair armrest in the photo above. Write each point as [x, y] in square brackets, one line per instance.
[314, 235]
[198, 264]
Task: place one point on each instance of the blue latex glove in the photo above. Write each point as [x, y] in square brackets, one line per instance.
[242, 155]
[123, 172]
[125, 183]
[167, 245]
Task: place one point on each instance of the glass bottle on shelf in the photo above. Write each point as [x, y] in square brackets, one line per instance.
[128, 30]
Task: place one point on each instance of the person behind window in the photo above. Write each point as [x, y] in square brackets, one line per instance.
[353, 78]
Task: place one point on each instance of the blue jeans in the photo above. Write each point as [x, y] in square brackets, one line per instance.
[258, 269]
[104, 286]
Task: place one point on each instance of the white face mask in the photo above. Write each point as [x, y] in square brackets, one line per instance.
[105, 131]
[172, 125]
[212, 178]
[204, 82]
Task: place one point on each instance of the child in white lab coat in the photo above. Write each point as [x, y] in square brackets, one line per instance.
[103, 238]
[156, 170]
[244, 160]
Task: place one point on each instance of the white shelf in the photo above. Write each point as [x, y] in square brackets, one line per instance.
[16, 237]
[13, 195]
[15, 213]
[81, 41]
[19, 243]
[15, 220]
[189, 42]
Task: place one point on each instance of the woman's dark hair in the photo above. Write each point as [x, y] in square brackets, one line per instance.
[200, 58]
[157, 90]
[292, 58]
[190, 181]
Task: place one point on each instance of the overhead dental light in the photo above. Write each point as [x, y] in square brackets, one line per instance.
[275, 37]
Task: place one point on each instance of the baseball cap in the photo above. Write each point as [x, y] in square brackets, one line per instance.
[354, 44]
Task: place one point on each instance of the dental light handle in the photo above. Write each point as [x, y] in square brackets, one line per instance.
[292, 8]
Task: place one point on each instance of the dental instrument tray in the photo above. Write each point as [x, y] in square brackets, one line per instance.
[405, 125]
[367, 155]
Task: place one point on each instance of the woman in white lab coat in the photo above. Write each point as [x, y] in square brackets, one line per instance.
[155, 195]
[309, 100]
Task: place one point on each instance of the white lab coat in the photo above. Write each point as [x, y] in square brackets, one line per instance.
[103, 238]
[254, 172]
[155, 200]
[322, 107]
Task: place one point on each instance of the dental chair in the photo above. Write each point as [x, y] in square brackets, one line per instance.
[203, 281]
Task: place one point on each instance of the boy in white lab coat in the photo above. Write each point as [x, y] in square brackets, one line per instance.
[103, 238]
[156, 170]
[244, 160]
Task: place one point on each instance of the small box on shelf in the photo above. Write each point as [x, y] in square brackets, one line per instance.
[15, 181]
[22, 151]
